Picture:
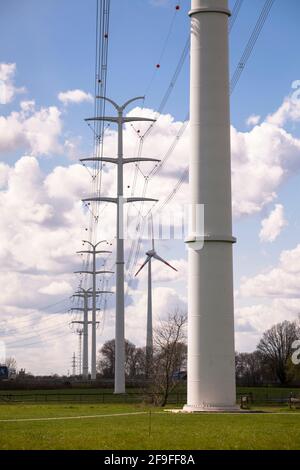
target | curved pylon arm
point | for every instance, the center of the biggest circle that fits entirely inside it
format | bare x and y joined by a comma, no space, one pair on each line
91,272
138,119
92,245
123,119
103,159
91,252
78,309
98,292
100,199
115,200
131,101
141,199
139,159
115,105
124,161
104,118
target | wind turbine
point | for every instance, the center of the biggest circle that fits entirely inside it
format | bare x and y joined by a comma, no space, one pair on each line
149,341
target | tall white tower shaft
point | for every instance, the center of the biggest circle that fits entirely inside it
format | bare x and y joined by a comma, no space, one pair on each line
211,370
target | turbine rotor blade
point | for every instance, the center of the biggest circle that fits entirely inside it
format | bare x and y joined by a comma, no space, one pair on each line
163,261
143,265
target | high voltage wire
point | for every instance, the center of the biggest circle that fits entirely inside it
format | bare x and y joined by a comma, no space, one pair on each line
251,43
164,48
245,57
235,12
49,339
24,319
101,69
43,330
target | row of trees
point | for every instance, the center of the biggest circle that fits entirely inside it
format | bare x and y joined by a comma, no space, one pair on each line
270,363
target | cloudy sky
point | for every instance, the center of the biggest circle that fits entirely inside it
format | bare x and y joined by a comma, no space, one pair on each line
47,63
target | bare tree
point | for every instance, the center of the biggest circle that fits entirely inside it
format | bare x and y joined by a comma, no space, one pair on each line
11,363
276,347
168,356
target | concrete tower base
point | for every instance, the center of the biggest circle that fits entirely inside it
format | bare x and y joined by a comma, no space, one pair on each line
211,409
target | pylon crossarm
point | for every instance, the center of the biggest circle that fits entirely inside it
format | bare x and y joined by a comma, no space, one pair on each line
104,118
102,159
115,105
82,322
91,272
125,160
78,309
124,199
92,245
117,119
91,252
132,100
100,199
137,119
141,199
139,159
84,295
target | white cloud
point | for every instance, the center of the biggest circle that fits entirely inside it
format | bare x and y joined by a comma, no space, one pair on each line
7,87
282,281
253,120
57,288
262,159
272,226
252,321
288,111
35,131
74,96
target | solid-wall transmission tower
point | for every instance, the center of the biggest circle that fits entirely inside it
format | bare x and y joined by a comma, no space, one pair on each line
120,120
85,294
94,252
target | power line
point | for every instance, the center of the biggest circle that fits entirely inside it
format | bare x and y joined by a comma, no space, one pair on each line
245,57
251,43
235,13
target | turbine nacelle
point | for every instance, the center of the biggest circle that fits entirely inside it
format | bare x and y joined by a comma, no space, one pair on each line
152,254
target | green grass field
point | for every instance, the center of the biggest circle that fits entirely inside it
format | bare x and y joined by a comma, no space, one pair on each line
152,429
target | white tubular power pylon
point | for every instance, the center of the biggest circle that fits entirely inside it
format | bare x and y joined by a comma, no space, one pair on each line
149,339
85,294
120,120
211,368
94,252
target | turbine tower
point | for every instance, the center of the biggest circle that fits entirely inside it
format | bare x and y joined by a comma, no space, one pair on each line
149,341
211,370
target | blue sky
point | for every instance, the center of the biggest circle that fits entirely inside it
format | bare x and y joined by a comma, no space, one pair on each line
52,44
